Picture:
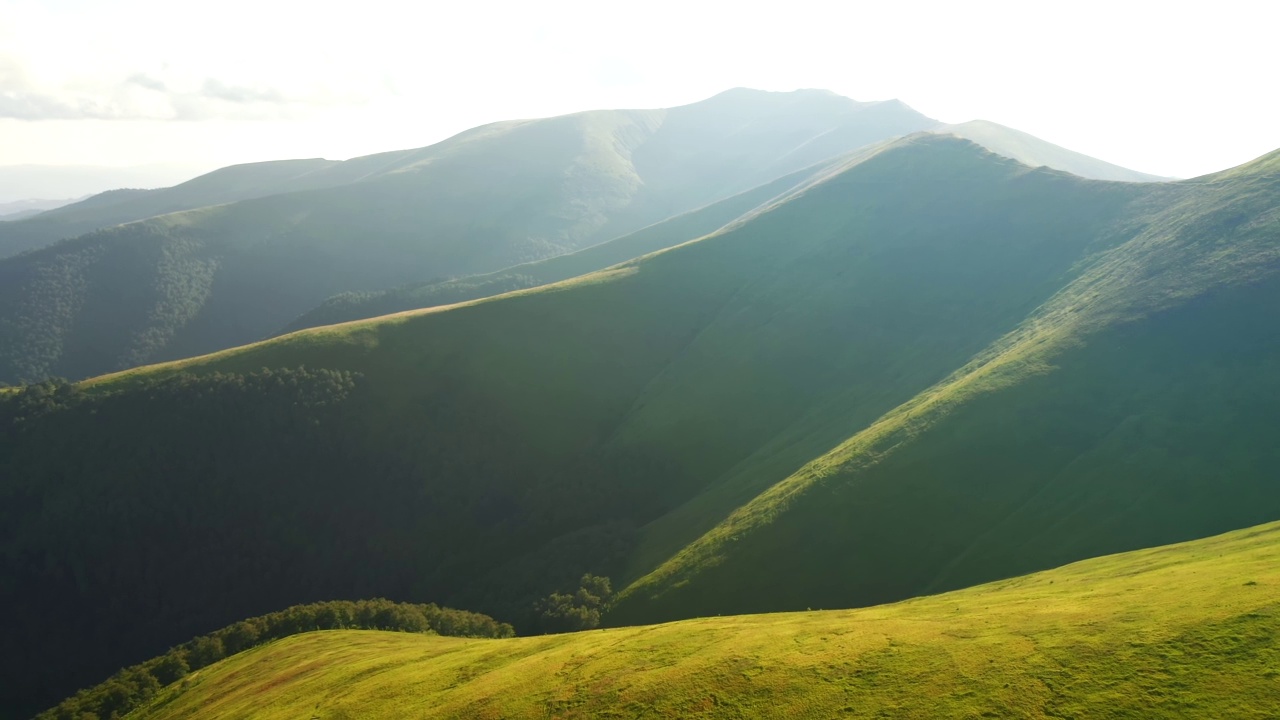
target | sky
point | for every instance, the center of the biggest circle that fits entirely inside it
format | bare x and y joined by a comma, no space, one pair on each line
1171,88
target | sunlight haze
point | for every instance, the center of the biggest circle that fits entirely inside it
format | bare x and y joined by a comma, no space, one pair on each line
139,81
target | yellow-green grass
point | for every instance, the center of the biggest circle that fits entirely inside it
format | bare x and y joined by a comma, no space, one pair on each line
1179,631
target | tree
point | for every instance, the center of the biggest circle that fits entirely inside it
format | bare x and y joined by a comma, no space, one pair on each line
580,610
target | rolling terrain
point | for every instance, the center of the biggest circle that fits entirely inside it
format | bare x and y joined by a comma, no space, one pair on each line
931,367
1001,140
222,275
1177,631
115,207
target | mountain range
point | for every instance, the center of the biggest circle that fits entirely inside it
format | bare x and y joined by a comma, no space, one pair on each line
138,276
731,380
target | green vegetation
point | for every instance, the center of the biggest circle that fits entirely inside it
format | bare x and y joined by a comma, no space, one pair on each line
931,367
115,207
493,197
1181,631
579,610
134,686
659,236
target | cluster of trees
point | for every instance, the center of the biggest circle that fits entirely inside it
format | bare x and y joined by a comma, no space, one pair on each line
578,610
136,685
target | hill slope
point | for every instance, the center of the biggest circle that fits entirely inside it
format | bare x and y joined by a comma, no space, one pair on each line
229,184
634,422
1031,150
1126,410
1001,140
1178,631
659,236
489,198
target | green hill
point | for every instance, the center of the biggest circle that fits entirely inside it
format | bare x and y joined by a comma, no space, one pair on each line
1179,631
496,196
659,236
934,367
1001,140
114,207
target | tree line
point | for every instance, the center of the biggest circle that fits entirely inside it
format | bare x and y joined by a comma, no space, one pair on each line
134,686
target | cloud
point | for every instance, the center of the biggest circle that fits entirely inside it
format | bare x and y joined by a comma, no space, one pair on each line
217,90
144,96
143,80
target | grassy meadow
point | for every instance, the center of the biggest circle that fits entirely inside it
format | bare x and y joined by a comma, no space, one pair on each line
1179,631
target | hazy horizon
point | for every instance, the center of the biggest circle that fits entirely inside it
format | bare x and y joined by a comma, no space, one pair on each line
143,82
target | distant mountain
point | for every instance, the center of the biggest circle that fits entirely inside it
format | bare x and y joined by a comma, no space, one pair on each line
229,184
1033,151
20,182
20,209
492,197
927,367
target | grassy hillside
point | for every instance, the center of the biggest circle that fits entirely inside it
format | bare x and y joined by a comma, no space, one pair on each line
660,420
659,236
490,198
238,182
1008,142
1179,631
135,686
1131,408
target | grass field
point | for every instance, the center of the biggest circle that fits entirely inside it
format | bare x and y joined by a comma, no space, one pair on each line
1179,631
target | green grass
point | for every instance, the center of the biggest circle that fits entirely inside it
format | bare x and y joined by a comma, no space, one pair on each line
1178,631
1124,407
934,368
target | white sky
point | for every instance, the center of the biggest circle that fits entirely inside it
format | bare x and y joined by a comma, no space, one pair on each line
1164,87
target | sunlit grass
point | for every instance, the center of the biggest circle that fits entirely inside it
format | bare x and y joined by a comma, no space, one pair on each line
1185,630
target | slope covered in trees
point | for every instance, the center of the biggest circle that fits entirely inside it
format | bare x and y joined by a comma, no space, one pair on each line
492,197
660,420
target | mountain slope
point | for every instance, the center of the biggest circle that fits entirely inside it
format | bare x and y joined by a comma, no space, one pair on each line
490,198
659,236
114,207
486,454
117,206
1001,140
1178,631
1126,410
1031,150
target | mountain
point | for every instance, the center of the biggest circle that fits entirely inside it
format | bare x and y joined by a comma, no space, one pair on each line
114,207
659,236
20,209
1125,410
19,182
496,196
930,367
1002,140
1178,631
1031,150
